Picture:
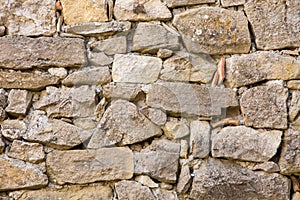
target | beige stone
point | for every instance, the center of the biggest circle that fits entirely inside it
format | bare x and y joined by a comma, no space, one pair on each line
278,27
141,10
294,107
59,72
184,180
164,145
76,12
175,129
228,3
296,196
146,181
116,91
177,3
213,30
294,84
18,102
157,116
2,31
269,166
244,143
2,145
13,129
131,190
163,194
164,53
110,46
99,59
200,138
87,166
184,148
42,52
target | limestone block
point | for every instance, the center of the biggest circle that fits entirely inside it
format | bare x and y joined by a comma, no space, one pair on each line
111,46
175,129
18,102
163,194
184,180
228,3
59,72
99,59
294,84
131,190
157,116
116,91
146,181
13,129
200,139
177,3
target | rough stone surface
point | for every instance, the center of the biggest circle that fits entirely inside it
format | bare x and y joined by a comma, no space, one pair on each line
190,99
164,53
2,145
59,72
265,106
184,180
175,129
274,23
289,161
141,10
115,91
163,194
111,46
82,192
146,181
217,179
200,139
18,102
294,84
13,129
296,196
131,190
16,174
123,123
177,3
99,59
20,52
31,152
227,3
88,76
213,30
135,69
256,67
294,108
98,28
2,31
87,166
244,143
92,11
157,116
270,167
150,37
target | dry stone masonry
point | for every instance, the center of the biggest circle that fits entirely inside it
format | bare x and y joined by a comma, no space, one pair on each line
131,99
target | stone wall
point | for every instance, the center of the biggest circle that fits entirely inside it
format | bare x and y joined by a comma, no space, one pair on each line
150,99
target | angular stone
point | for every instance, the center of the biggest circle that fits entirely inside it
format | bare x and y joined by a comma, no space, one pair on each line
265,106
98,28
294,107
164,145
99,59
228,3
115,91
190,99
122,123
277,27
294,84
270,167
164,53
163,194
146,181
184,180
30,152
135,69
111,46
184,148
221,179
177,3
29,17
25,80
131,190
59,72
289,161
141,10
90,11
175,129
150,37
18,102
244,143
87,166
82,192
16,174
42,52
2,31
213,30
157,116
200,139
13,129
256,67
88,76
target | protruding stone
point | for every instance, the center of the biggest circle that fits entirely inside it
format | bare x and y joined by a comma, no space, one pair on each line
200,139
30,152
164,53
59,72
175,129
18,102
13,129
177,3
213,30
277,28
185,179
135,69
99,59
131,190
244,143
294,84
116,91
111,46
221,179
140,10
146,181
17,174
294,108
87,166
42,52
265,106
228,3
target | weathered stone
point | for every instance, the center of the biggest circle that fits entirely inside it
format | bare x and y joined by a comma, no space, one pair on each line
294,108
29,17
115,91
135,69
141,10
296,196
16,174
3,98
90,11
274,23
59,72
157,116
18,102
150,37
184,148
265,106
111,46
88,76
31,152
25,80
164,53
2,31
184,180
146,181
256,67
164,145
98,28
228,3
42,52
244,143
122,123
270,167
213,30
163,194
82,192
294,84
2,145
289,161
200,139
13,129
87,166
131,190
221,179
175,129
166,186
177,3
99,59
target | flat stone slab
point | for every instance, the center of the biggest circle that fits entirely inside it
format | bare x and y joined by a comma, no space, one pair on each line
88,166
213,30
19,52
130,190
200,139
18,102
244,143
177,3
